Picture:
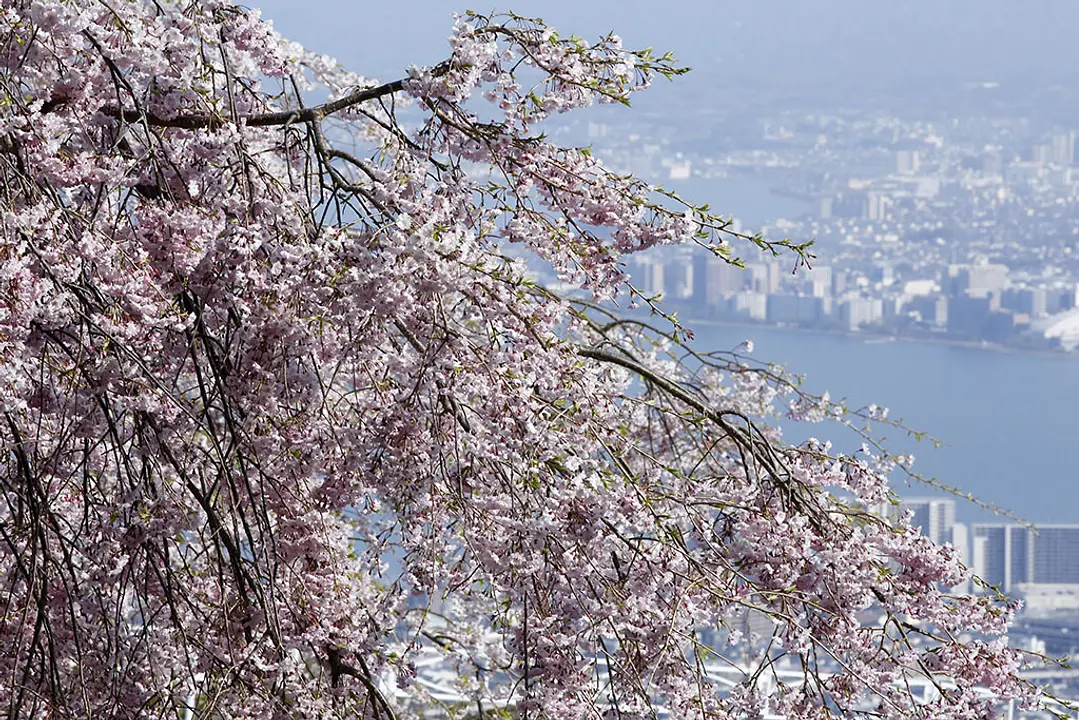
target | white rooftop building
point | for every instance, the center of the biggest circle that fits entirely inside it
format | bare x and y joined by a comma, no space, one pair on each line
1060,329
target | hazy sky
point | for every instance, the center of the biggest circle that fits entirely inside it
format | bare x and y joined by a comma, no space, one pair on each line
860,43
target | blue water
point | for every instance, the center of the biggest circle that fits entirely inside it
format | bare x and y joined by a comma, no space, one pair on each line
747,196
1010,421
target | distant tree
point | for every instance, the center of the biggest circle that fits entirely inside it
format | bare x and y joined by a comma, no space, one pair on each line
282,422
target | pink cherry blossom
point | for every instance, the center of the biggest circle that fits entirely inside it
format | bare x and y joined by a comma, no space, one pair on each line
283,426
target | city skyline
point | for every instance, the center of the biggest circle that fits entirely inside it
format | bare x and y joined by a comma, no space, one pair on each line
897,253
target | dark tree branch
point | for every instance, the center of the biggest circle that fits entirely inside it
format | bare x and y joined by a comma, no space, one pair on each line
283,117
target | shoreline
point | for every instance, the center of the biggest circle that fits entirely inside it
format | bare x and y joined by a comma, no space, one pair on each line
878,339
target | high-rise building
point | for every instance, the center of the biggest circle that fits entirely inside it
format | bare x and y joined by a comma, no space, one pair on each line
764,277
700,278
1055,554
723,280
751,305
934,517
961,542
798,309
969,314
978,278
1064,148
1030,301
817,281
907,162
678,278
855,311
1042,154
1008,555
999,555
1019,554
647,275
877,205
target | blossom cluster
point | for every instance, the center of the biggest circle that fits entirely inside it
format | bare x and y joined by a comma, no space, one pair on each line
280,420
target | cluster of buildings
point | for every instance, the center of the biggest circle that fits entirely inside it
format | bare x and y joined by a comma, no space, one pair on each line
976,301
1011,557
967,230
1038,565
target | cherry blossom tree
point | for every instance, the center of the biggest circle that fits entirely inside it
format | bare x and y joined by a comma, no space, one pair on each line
283,421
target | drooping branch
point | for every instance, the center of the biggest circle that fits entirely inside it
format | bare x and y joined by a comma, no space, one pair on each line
282,117
759,449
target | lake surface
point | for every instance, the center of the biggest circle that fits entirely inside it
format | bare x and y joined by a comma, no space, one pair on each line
747,196
1010,421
